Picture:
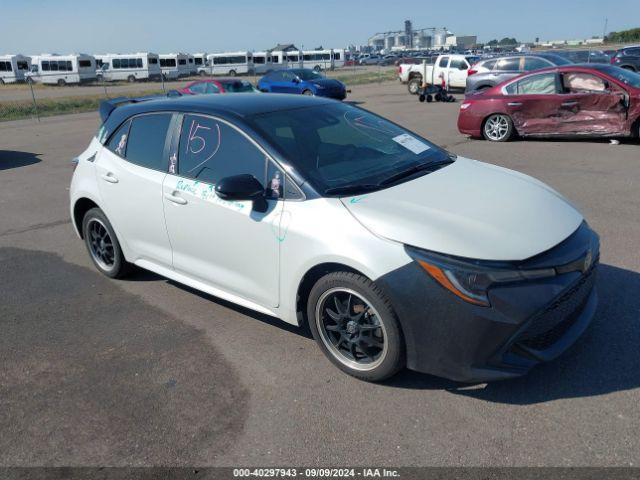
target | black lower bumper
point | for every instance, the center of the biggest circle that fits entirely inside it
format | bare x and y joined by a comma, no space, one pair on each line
527,323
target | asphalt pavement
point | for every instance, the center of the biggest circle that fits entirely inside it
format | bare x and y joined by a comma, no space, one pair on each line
144,371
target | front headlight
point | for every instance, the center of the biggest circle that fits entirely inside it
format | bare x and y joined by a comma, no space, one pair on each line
471,280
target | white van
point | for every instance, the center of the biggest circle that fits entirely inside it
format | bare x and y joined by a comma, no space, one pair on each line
13,68
174,65
323,59
262,62
191,63
128,66
54,69
200,61
230,63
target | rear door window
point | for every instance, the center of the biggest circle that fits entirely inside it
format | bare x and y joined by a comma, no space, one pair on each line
543,84
508,65
146,141
444,61
458,64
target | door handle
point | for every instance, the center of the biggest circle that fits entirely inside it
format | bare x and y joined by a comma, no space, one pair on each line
109,177
569,104
514,104
175,199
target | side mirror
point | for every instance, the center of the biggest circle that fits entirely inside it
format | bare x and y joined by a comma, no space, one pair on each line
296,80
239,188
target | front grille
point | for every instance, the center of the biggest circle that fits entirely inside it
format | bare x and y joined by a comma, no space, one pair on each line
551,324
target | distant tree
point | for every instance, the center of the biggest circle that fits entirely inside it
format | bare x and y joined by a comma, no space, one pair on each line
626,36
508,41
492,43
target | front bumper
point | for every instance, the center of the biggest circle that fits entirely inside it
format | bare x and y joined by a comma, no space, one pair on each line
527,323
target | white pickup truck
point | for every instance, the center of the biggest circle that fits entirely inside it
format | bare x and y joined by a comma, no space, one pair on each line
452,68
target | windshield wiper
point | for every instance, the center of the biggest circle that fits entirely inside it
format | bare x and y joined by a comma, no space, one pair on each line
352,188
415,169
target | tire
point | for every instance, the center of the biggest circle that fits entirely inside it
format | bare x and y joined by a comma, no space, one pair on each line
131,79
414,85
308,92
61,82
202,73
365,324
1,81
232,73
498,128
109,261
317,68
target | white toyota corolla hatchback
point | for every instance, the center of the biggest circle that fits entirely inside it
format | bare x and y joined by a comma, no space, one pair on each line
393,251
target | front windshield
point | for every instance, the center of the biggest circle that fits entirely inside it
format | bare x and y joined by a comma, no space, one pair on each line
341,149
307,74
625,76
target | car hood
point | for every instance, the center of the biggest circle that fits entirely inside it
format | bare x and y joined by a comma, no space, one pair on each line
470,209
327,83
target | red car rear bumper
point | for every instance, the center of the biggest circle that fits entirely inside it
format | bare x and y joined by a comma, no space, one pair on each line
470,124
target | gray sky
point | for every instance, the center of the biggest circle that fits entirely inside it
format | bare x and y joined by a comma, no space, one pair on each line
34,26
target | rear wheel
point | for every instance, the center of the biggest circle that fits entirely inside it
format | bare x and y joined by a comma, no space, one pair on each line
61,82
414,85
131,79
202,73
317,68
308,92
102,244
355,326
232,73
498,128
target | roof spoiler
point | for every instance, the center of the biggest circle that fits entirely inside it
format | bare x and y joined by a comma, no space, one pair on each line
108,106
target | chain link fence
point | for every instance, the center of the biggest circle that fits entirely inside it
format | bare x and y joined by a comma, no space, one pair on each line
35,100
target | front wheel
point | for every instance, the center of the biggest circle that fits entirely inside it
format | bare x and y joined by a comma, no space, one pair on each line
498,128
102,244
61,82
308,92
355,326
131,79
232,73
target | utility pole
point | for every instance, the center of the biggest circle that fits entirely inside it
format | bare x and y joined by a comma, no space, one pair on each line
606,24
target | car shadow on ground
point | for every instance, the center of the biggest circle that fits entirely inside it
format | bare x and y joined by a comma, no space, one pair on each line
605,360
12,159
140,275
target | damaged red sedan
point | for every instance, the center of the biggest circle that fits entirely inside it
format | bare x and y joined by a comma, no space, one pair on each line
574,100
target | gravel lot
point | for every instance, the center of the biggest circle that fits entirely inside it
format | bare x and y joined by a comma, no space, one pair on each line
146,372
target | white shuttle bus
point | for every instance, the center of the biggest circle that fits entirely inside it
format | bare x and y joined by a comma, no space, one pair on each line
200,61
128,66
54,69
262,62
191,63
13,68
174,65
323,59
230,63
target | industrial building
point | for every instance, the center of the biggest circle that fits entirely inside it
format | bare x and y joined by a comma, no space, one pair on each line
421,38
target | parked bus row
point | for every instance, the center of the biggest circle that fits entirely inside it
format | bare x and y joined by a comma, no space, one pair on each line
61,70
